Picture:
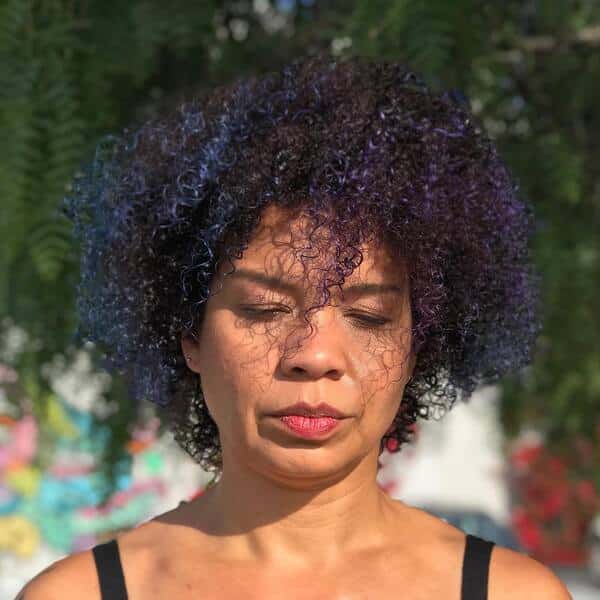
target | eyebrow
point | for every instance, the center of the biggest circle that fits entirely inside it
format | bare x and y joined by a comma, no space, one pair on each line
357,289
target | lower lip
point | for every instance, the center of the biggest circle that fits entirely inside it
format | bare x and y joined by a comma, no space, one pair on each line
310,427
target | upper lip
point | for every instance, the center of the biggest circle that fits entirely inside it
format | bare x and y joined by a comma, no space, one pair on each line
306,410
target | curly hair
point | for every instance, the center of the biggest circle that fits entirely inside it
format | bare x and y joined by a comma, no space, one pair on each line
161,204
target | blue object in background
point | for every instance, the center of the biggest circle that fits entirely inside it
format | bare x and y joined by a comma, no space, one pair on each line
286,5
289,5
477,523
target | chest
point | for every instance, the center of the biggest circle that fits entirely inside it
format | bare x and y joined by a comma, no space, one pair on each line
395,580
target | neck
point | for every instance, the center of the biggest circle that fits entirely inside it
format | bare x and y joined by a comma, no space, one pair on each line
304,523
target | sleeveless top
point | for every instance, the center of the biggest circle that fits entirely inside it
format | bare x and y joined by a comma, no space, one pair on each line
476,561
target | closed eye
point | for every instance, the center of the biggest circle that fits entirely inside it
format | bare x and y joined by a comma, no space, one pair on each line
366,321
371,320
262,314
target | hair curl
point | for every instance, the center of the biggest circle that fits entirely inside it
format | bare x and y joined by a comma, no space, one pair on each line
160,205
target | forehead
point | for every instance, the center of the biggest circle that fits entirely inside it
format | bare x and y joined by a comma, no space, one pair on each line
292,248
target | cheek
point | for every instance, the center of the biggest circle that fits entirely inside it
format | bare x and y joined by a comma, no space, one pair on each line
218,370
234,368
384,361
238,363
383,373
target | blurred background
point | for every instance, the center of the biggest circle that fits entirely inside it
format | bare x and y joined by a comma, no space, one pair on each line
518,464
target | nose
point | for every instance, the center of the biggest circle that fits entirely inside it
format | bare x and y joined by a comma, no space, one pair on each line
315,352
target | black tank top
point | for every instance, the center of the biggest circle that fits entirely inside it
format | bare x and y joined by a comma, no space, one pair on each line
476,561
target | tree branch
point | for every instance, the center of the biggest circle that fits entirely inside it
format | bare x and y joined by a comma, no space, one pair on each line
586,36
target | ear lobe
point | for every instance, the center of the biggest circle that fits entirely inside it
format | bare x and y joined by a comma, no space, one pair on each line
188,348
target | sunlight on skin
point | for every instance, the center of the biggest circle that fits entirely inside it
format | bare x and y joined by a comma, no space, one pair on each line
307,495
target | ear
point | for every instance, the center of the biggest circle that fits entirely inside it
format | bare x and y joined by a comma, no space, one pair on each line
190,350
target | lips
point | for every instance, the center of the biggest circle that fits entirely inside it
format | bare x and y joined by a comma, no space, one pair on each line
303,409
310,427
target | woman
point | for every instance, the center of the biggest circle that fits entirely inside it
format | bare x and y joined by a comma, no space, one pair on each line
296,267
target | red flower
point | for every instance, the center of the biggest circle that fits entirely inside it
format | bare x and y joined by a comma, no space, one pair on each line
528,532
557,466
525,456
555,502
196,494
391,444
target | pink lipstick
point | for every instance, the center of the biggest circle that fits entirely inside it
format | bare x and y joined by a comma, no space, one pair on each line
310,427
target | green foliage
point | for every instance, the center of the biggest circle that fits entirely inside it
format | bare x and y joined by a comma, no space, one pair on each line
72,71
532,73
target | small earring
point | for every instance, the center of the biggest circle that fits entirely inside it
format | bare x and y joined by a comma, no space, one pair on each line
188,357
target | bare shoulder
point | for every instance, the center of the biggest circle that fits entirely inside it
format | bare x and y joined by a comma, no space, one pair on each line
512,575
516,576
71,577
75,576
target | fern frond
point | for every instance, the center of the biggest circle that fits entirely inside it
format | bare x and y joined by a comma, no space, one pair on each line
50,243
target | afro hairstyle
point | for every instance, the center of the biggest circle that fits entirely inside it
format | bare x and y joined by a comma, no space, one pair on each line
366,143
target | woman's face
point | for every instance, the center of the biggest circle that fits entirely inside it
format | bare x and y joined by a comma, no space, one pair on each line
253,363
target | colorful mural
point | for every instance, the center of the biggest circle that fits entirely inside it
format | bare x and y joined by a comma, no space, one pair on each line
58,504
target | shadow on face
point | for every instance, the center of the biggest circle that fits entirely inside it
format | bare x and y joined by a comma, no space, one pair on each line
295,320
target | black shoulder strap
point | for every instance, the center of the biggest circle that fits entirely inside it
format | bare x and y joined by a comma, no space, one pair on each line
476,564
110,571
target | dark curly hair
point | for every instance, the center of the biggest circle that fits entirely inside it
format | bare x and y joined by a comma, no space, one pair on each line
163,203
